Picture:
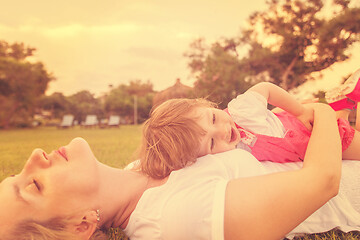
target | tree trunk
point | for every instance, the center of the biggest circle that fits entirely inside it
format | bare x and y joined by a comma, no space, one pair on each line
284,77
8,111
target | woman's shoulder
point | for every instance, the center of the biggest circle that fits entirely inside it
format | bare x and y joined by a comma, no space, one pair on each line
230,164
235,163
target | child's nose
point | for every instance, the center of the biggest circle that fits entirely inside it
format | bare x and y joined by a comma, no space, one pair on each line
221,134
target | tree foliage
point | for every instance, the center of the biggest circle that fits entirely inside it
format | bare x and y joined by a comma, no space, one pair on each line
22,83
84,103
56,103
284,44
219,72
304,40
120,100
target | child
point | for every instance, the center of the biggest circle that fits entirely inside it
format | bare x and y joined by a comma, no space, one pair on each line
180,130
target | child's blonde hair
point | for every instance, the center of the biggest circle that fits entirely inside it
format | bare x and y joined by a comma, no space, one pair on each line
171,137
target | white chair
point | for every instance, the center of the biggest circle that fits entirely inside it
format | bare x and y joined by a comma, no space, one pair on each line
114,121
67,121
90,121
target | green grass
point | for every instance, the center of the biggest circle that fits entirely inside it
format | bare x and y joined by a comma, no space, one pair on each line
331,235
114,146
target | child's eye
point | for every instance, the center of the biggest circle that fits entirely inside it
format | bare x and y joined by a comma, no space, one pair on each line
212,144
214,118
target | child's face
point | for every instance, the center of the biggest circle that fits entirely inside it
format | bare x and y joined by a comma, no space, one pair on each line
221,132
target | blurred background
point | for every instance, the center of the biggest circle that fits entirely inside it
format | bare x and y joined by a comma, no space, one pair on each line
115,59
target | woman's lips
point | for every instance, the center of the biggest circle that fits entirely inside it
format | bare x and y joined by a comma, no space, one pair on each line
62,152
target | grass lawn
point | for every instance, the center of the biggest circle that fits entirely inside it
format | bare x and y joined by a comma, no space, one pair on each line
114,146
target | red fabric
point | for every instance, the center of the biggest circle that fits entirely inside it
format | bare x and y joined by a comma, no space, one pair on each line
292,147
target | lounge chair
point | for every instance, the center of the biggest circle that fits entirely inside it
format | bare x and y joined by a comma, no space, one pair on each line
114,121
67,121
91,121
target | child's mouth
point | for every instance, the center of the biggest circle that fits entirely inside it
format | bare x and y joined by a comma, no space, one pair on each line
233,135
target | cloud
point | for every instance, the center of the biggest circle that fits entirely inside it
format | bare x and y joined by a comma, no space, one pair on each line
90,44
101,30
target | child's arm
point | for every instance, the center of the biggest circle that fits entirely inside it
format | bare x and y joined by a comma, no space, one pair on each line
280,98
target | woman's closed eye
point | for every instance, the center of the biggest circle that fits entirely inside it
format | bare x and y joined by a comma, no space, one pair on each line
34,185
214,118
37,185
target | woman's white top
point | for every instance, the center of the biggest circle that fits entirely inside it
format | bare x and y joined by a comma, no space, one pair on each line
190,205
342,211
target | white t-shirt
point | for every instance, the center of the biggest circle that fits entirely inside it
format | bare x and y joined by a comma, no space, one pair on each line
249,110
190,205
342,211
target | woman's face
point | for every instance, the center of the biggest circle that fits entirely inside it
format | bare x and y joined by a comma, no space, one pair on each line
50,185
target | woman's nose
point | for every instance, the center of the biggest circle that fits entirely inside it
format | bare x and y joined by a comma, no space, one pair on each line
37,159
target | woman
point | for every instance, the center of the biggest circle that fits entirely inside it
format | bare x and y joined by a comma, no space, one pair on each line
67,193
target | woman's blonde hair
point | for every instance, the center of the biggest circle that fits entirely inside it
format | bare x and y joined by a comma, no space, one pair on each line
171,137
54,229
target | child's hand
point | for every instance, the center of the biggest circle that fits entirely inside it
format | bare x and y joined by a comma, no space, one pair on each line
307,117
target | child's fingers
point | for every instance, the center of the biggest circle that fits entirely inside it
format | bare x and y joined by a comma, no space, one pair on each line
309,127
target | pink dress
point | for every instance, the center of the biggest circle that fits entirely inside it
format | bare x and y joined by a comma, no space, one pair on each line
290,147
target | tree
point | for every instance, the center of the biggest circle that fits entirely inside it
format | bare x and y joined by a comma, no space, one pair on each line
84,103
138,89
121,100
118,101
56,103
303,42
218,71
22,83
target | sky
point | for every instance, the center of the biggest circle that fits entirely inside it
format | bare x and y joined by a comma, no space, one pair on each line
91,44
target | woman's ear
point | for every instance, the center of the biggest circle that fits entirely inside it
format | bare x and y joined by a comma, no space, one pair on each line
86,225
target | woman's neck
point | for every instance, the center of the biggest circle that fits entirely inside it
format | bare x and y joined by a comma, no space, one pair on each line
120,191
